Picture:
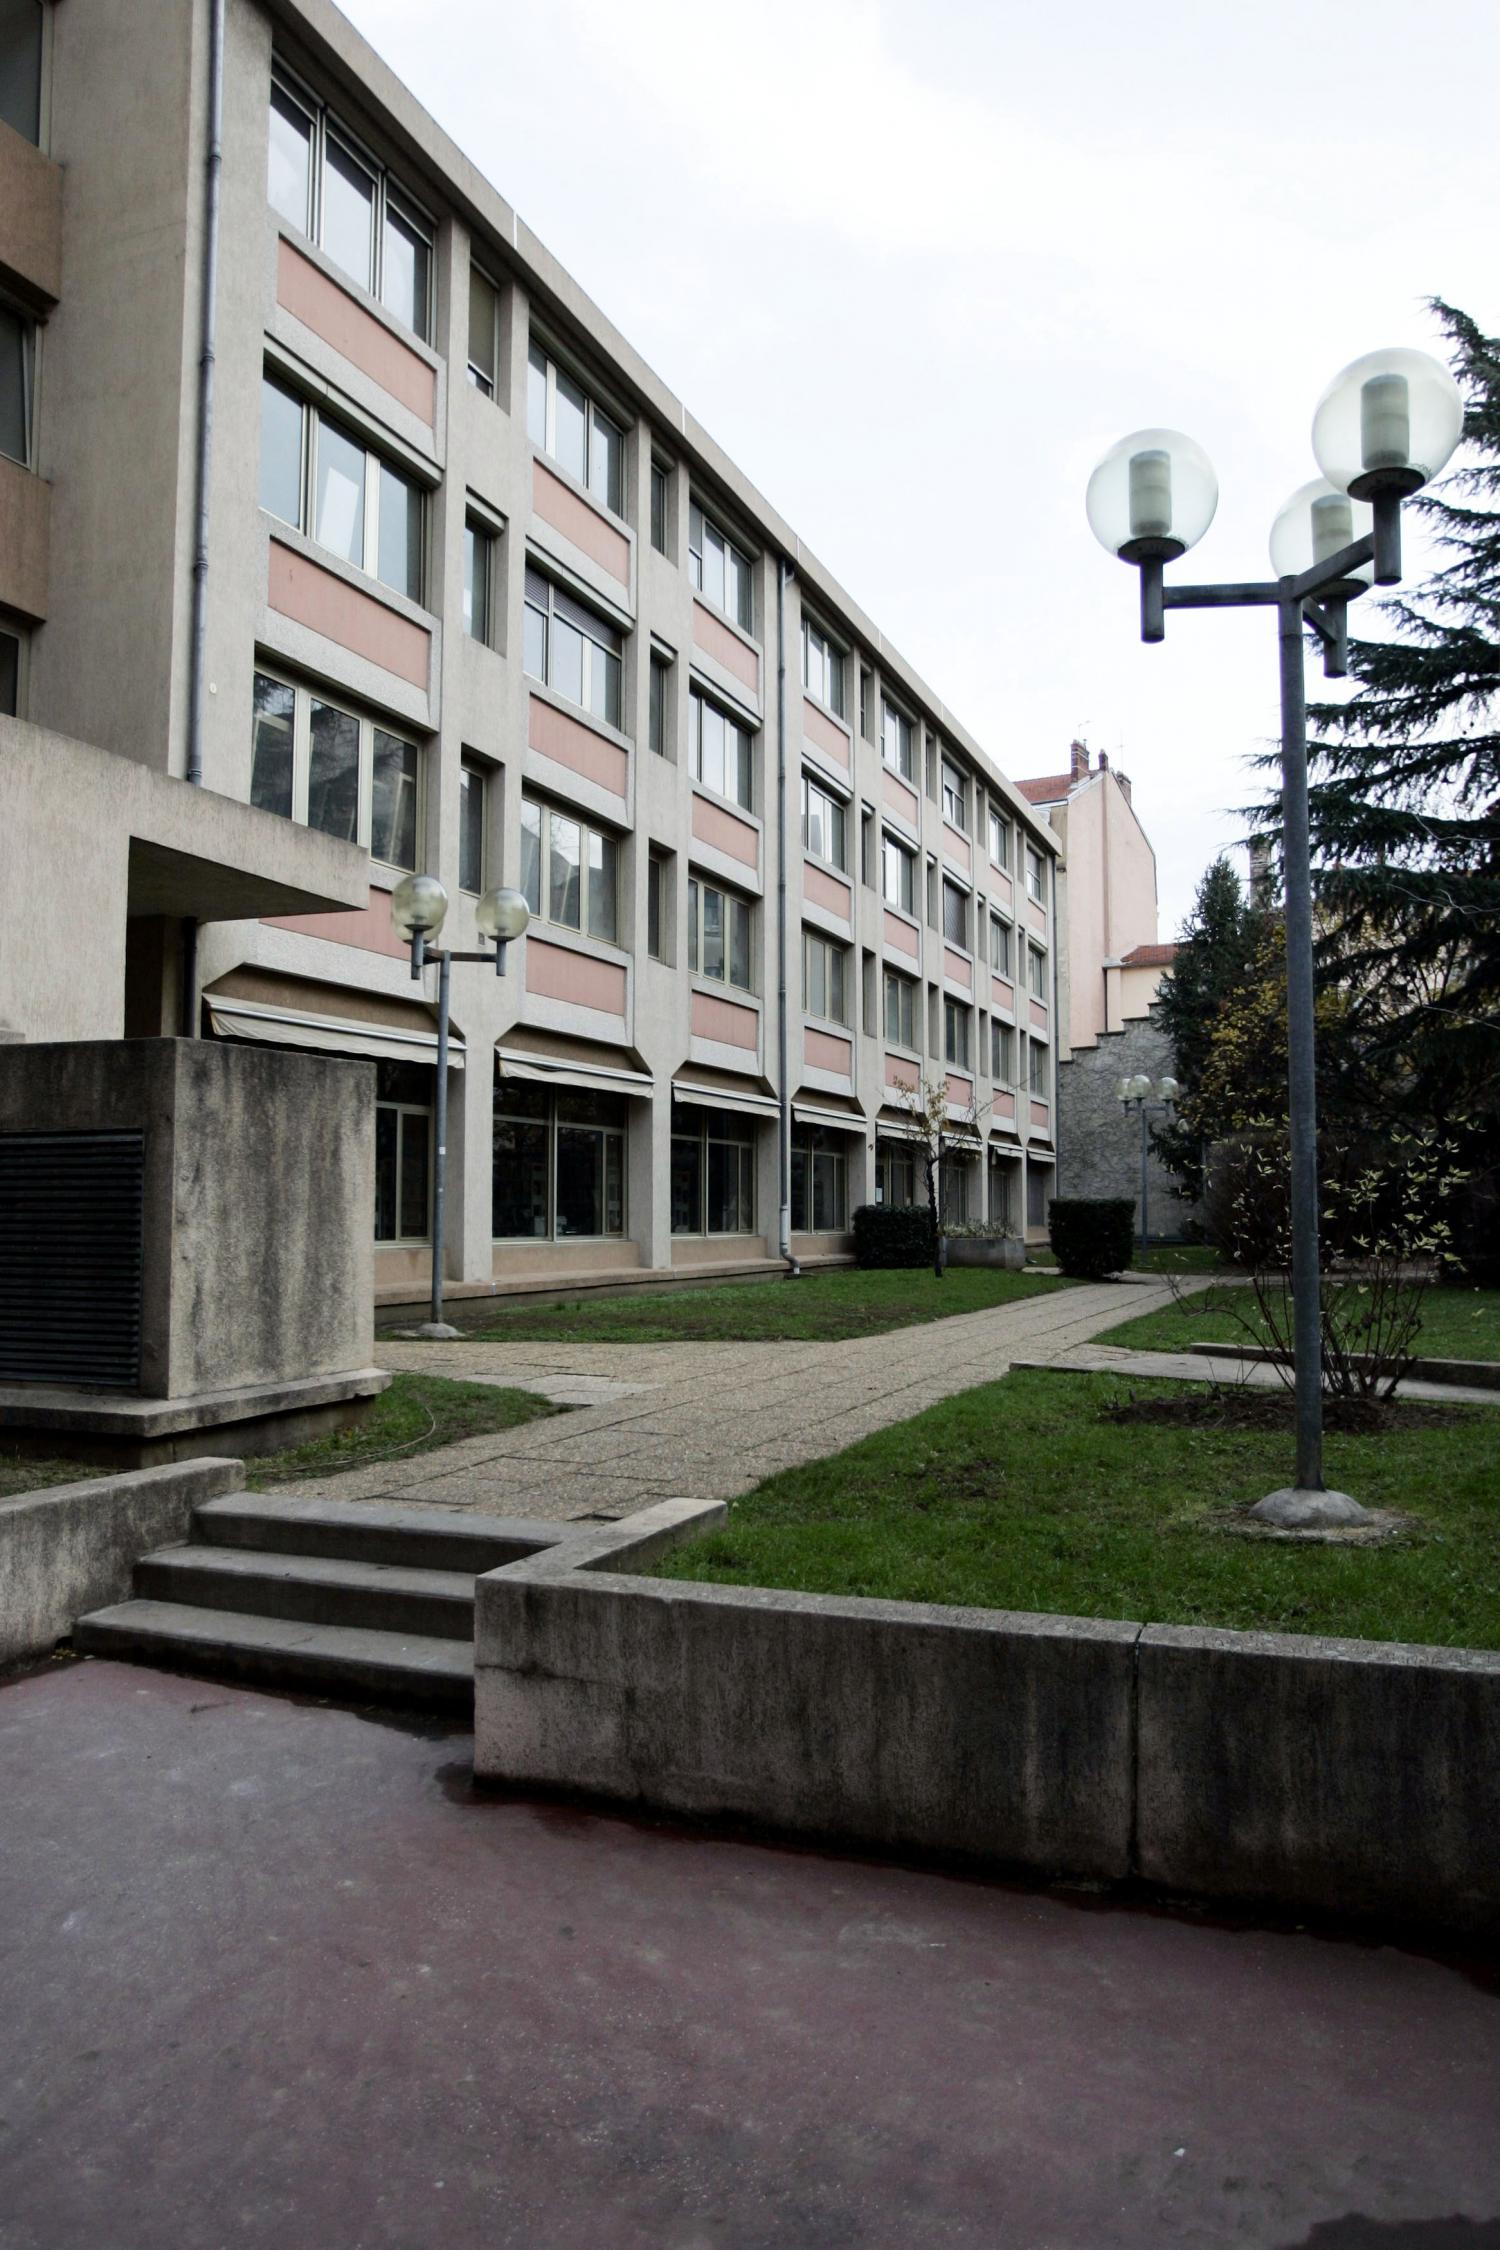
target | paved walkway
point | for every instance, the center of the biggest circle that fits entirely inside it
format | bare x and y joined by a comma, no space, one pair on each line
275,1979
1204,1367
708,1420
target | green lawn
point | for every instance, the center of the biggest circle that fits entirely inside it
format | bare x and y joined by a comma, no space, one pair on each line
1457,1323
417,1413
1178,1257
1019,1496
817,1307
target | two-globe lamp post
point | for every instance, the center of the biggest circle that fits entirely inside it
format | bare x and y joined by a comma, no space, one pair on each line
1146,1095
419,907
1382,429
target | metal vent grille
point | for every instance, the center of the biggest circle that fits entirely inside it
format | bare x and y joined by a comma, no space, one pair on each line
71,1226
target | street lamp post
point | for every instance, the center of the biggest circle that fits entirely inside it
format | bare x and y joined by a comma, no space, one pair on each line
1383,428
419,906
1146,1095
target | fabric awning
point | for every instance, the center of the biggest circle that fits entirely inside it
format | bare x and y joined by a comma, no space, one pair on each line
713,1097
234,1018
588,1077
840,1119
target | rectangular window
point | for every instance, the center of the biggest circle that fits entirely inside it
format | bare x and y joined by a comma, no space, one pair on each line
956,1033
719,751
896,741
563,422
825,825
320,183
1000,945
657,716
825,978
569,870
575,650
895,1175
1037,967
1038,1075
713,1171
479,580
719,569
1038,1192
659,507
10,673
820,1181
403,1151
318,478
559,1163
16,362
473,826
898,868
822,667
955,914
1036,879
999,838
900,1011
1002,1053
718,934
327,767
21,68
931,765
484,331
955,798
657,905
867,846
866,703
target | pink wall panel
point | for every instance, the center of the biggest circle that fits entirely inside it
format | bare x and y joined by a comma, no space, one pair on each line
325,604
955,966
900,935
900,799
825,732
716,640
555,972
824,1050
1002,995
900,1070
960,1091
1038,916
568,512
572,744
1039,1114
368,927
1004,1105
1038,1015
723,1020
321,305
956,845
825,890
713,825
1003,888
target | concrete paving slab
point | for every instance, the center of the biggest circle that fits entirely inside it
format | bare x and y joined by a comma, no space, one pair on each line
422,2018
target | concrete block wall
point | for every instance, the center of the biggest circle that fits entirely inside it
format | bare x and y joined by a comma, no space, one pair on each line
1099,1149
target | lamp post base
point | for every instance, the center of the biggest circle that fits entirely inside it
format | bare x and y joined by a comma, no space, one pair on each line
437,1332
1294,1509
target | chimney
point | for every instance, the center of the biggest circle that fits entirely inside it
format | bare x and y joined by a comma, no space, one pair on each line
1124,780
1103,763
1080,765
1260,871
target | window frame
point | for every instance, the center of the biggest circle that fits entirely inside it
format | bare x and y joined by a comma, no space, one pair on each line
999,834
837,822
954,892
306,694
893,849
388,190
1036,876
658,507
613,500
822,956
588,831
28,332
733,1132
1002,1052
699,886
956,1018
1036,1072
1001,947
402,1110
479,528
15,634
906,992
658,703
486,383
594,650
810,1143
554,1125
473,775
833,661
700,700
955,793
702,521
1036,972
314,422
905,761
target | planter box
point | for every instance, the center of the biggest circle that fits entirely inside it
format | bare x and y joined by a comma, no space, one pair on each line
1004,1250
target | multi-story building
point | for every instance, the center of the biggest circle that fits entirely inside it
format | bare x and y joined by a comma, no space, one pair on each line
476,595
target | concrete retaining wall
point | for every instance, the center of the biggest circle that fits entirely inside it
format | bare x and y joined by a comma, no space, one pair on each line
1357,1777
72,1547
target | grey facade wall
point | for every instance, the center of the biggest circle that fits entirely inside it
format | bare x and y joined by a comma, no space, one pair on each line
1100,1151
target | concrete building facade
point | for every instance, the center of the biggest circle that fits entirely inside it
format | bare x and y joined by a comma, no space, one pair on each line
478,597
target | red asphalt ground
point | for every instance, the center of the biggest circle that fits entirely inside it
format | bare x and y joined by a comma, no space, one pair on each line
270,1977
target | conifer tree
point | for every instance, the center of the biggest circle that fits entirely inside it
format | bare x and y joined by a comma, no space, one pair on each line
1215,961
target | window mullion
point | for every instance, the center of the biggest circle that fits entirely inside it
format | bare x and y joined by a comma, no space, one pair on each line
301,752
372,514
364,817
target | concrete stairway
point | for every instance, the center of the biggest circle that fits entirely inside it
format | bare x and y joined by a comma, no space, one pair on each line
364,1603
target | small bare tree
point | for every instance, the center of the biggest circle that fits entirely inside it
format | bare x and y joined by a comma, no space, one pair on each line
935,1125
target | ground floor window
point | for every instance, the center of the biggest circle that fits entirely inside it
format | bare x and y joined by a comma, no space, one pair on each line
957,1173
895,1175
1003,1194
558,1163
403,1152
713,1171
1038,1193
820,1181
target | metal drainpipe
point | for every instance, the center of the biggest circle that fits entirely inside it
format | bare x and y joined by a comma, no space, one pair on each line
783,572
197,686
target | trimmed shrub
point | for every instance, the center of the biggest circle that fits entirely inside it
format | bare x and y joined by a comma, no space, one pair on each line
900,1237
1092,1235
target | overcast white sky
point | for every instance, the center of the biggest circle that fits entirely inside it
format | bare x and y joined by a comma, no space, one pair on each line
917,266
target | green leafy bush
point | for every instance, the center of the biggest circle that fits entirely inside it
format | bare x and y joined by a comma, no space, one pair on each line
893,1237
1092,1235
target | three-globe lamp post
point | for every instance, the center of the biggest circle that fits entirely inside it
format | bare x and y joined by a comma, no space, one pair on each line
419,907
1146,1094
1384,427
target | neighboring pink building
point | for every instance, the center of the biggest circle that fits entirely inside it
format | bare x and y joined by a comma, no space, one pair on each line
1109,963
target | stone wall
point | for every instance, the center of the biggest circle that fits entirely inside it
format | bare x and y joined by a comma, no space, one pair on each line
1099,1145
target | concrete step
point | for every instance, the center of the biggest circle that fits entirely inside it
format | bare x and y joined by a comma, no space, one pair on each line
349,1661
364,1531
312,1589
